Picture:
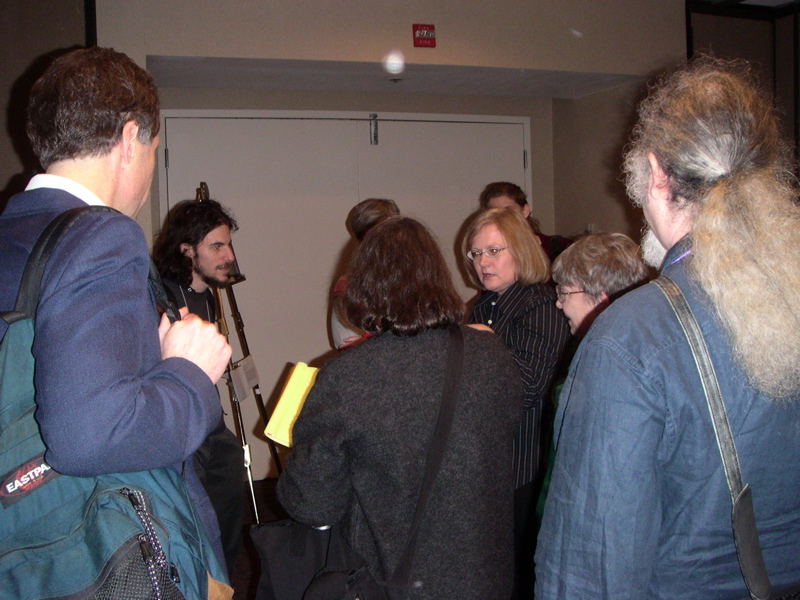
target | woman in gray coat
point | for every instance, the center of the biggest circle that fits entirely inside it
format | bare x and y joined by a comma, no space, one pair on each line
362,437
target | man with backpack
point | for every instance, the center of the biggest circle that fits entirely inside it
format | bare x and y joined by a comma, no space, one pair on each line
121,394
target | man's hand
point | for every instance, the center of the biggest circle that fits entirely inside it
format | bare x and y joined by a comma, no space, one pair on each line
195,340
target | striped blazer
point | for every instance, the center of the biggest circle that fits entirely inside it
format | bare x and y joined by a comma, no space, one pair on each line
535,331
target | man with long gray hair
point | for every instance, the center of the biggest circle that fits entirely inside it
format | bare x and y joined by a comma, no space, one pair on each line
639,506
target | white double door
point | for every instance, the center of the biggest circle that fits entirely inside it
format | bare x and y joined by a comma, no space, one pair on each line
290,180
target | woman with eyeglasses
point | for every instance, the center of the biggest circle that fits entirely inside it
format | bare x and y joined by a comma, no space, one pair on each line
518,304
361,440
595,270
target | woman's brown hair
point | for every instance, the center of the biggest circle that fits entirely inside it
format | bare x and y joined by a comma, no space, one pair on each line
399,281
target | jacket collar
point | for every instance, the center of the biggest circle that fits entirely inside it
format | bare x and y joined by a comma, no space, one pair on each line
680,250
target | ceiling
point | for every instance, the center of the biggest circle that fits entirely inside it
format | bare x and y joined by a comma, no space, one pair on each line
280,74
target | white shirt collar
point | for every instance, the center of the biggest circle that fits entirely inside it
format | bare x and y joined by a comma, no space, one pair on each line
46,180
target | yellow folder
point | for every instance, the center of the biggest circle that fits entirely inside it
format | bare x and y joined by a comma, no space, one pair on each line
300,381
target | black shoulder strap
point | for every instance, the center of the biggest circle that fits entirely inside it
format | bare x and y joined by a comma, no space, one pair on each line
165,299
28,295
171,295
436,450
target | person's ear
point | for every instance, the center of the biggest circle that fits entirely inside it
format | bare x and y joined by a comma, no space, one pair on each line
130,131
603,301
526,210
187,250
659,180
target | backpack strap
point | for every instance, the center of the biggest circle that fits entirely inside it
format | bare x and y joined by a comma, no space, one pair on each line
28,295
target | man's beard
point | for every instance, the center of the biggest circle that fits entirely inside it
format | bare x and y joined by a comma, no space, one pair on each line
653,252
211,281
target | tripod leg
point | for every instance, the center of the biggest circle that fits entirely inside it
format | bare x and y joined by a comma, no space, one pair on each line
237,415
262,410
246,448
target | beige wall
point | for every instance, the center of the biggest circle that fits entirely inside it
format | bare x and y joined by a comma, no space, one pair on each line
574,143
590,134
603,36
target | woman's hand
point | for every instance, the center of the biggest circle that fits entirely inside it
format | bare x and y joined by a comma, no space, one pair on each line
481,327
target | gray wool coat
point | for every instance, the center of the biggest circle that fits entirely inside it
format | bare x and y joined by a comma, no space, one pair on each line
360,445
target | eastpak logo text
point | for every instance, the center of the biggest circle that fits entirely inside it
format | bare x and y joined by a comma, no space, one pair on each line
23,480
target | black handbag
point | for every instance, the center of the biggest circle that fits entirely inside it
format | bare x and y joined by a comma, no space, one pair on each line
291,554
302,562
743,519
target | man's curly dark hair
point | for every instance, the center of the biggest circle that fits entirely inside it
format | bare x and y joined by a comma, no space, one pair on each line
187,223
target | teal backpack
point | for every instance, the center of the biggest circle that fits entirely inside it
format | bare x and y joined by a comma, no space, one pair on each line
119,536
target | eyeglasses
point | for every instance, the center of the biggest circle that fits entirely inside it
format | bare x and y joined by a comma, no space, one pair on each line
562,295
491,253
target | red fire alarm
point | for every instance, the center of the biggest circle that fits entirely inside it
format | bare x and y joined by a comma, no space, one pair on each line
424,36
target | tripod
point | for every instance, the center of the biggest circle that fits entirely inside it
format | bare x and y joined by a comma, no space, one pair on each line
241,376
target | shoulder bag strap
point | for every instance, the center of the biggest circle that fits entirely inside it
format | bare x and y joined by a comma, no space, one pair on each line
436,450
743,522
28,295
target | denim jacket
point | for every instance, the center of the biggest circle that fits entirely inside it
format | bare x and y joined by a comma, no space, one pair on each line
638,505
